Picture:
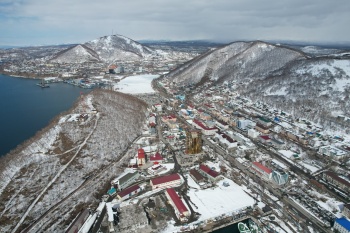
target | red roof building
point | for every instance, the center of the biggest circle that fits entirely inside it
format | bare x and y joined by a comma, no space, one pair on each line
208,172
141,153
168,118
128,192
156,158
179,207
196,176
141,157
166,181
261,169
205,130
265,138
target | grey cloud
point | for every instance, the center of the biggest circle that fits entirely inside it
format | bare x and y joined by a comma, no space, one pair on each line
83,20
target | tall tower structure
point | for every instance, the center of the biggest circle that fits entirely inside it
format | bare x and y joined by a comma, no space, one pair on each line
193,142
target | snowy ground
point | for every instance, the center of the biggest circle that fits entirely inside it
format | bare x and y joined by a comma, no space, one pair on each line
136,84
282,225
311,168
212,203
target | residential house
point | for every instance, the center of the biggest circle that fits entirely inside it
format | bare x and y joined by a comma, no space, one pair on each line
141,157
222,125
204,116
125,180
197,177
156,158
205,130
264,122
346,210
128,192
181,210
265,139
332,151
334,179
209,173
260,169
252,133
262,129
226,141
168,181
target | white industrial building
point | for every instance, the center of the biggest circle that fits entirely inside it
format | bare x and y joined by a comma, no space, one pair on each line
252,133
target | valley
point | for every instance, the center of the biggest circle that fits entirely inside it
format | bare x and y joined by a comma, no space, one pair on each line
252,133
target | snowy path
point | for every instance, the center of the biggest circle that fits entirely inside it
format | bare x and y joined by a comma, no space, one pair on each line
55,178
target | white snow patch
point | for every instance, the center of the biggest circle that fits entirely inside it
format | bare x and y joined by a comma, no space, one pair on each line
136,84
220,200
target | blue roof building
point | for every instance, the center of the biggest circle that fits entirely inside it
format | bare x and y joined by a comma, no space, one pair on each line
342,225
112,191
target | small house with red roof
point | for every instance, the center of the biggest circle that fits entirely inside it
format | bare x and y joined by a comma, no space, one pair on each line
181,210
209,173
197,177
128,192
158,107
226,141
261,170
141,157
156,158
168,181
265,139
152,121
169,118
205,130
156,169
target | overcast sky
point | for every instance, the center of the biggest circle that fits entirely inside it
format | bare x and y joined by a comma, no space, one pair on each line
38,22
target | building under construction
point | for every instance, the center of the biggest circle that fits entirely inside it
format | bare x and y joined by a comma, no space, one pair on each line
193,142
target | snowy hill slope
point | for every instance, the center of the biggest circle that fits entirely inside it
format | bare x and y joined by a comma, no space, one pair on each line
117,47
318,89
76,54
314,87
241,61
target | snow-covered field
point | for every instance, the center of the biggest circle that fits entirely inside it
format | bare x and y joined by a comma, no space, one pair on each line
136,84
212,203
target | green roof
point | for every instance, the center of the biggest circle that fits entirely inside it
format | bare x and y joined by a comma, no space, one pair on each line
264,119
127,177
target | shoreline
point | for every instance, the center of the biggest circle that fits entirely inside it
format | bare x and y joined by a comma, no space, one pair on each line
24,76
51,122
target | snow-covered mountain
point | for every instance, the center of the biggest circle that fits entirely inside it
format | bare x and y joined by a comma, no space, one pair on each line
117,47
317,88
76,54
241,61
105,49
307,86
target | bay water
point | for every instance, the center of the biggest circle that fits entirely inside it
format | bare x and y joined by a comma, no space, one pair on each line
26,108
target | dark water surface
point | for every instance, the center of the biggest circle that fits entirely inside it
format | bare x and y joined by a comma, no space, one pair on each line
230,229
26,108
